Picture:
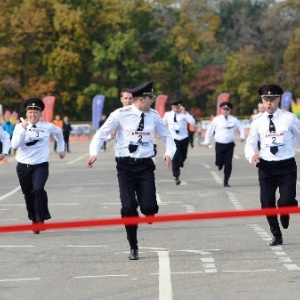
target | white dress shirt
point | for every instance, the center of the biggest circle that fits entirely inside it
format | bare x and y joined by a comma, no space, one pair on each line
224,129
178,129
287,128
39,152
5,139
125,121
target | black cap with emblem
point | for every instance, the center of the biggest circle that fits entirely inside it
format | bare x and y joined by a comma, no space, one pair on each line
143,90
270,91
176,102
226,105
34,103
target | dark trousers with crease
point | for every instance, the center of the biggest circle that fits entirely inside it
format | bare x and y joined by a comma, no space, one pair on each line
180,155
277,174
224,155
32,179
137,189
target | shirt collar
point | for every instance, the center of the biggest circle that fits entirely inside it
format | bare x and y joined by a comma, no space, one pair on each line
138,111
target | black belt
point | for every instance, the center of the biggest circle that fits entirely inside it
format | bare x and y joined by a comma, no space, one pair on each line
132,159
28,165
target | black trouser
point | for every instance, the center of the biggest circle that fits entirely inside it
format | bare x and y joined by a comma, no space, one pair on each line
273,175
32,179
66,139
224,155
137,188
180,156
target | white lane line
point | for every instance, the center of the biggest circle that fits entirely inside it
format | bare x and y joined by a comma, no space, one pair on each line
206,166
277,250
101,276
292,267
216,177
248,271
1,209
189,208
236,203
165,284
158,199
181,273
77,159
17,246
86,246
19,279
10,193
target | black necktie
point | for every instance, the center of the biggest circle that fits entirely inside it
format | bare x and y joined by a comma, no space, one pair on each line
175,121
141,124
272,129
132,148
32,142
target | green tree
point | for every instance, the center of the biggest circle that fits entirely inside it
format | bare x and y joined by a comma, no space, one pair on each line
245,71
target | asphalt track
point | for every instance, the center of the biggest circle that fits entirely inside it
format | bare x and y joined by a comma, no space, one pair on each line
204,259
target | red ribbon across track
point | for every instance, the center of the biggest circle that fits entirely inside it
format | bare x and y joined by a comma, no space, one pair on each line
151,219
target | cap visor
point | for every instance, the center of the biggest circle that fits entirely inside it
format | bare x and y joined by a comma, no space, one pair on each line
269,96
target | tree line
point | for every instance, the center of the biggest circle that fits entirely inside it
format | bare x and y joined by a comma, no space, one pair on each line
192,49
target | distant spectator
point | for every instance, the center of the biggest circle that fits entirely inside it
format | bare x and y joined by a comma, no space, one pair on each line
67,128
59,123
9,127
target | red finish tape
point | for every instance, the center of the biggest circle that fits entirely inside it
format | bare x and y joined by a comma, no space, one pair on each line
151,219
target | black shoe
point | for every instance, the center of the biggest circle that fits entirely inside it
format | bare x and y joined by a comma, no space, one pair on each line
35,231
134,254
150,222
177,181
276,240
285,221
226,184
220,167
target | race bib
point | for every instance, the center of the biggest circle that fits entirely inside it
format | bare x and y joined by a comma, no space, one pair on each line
35,134
274,139
140,138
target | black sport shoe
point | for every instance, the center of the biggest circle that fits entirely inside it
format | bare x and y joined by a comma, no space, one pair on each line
285,221
134,254
276,240
177,181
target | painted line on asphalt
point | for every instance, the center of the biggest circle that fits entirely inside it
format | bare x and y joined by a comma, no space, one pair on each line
17,246
15,190
277,250
19,279
247,271
77,159
236,203
205,166
165,284
216,177
101,276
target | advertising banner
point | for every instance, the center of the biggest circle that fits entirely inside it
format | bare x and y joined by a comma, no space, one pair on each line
97,108
160,104
47,114
221,98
